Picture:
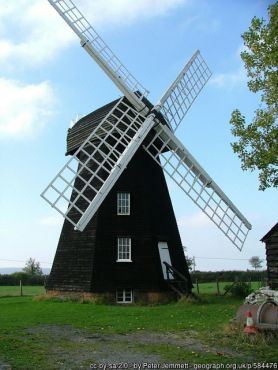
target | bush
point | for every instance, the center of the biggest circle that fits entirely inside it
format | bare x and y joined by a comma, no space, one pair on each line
238,289
191,300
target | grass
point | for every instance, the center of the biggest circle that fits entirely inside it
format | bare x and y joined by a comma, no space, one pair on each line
7,291
204,288
211,288
24,347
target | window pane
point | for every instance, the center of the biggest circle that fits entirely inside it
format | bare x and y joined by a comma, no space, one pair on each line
120,296
124,249
123,203
127,295
124,296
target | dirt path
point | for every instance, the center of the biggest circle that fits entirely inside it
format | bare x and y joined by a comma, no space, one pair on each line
4,366
72,348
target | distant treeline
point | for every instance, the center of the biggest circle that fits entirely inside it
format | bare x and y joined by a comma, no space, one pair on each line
201,276
210,276
26,279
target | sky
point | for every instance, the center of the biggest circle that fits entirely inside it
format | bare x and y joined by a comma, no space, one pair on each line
47,79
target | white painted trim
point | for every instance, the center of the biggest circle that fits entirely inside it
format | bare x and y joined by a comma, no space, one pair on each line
129,251
124,260
119,205
123,291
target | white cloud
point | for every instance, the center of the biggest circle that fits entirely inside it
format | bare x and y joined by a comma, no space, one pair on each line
230,79
32,31
24,109
195,220
119,12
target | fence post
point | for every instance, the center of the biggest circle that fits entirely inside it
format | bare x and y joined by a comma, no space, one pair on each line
197,286
20,285
217,285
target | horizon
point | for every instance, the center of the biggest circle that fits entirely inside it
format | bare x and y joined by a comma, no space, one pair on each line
11,270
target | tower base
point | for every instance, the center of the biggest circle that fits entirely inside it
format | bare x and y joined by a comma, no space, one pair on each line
138,297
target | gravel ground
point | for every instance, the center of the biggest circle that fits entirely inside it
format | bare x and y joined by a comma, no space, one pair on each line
72,348
4,366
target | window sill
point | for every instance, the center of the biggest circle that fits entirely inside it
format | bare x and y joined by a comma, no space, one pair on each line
124,261
126,302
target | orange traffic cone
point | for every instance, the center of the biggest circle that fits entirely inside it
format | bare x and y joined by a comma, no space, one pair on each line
249,327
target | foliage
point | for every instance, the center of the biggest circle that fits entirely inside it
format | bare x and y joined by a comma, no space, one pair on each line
32,267
229,276
192,299
257,145
215,288
190,263
256,262
26,279
202,276
238,289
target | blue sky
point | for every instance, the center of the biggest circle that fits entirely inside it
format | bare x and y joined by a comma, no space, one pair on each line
47,79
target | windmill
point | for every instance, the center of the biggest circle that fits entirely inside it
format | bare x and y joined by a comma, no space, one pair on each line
112,191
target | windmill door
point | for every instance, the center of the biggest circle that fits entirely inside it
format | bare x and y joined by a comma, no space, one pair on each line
164,257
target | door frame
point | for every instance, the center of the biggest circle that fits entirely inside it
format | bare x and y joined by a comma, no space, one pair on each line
164,257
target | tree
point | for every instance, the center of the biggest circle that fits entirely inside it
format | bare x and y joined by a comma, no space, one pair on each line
257,145
32,267
189,261
256,262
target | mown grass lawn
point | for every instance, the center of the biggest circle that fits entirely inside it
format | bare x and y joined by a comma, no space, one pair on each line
23,347
7,291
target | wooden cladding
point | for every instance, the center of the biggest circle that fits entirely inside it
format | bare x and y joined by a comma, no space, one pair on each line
271,246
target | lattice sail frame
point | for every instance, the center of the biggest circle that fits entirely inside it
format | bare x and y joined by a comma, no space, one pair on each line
99,168
181,94
188,174
101,52
82,184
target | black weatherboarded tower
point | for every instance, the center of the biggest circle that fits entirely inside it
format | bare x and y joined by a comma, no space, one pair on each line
121,251
120,237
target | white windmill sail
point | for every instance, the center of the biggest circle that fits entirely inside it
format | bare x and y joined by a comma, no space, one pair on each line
184,90
83,183
188,174
101,52
181,166
85,180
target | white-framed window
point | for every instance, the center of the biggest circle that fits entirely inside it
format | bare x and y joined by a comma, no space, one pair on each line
123,204
124,296
124,250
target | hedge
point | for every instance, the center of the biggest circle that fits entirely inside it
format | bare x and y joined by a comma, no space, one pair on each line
210,276
26,279
202,276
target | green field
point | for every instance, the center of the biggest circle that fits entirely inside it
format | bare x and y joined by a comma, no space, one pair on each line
211,288
7,291
55,334
204,288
